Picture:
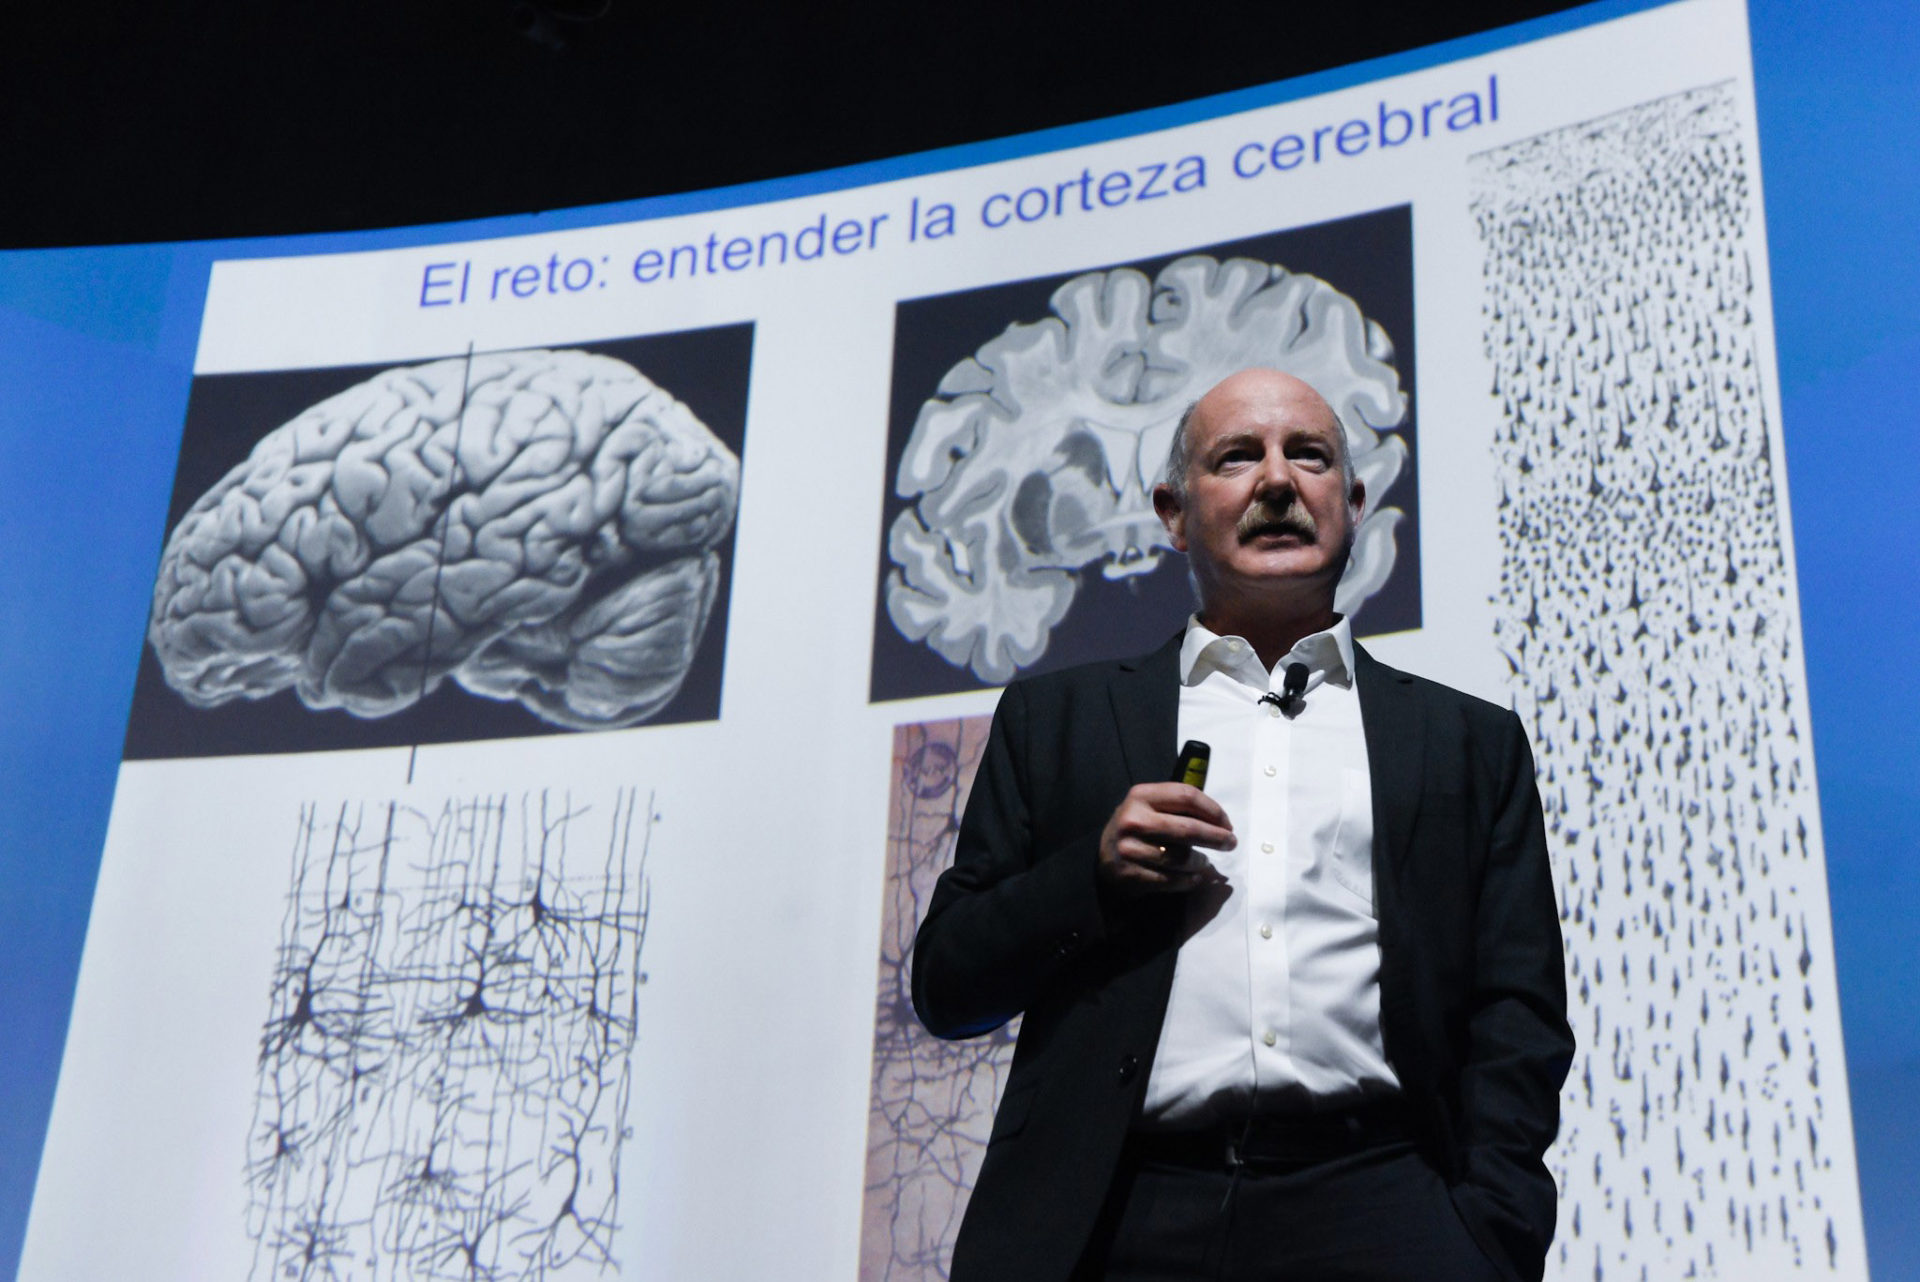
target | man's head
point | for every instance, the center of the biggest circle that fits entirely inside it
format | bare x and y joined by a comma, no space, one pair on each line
1260,492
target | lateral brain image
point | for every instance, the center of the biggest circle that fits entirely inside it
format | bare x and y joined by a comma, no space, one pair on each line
1026,477
542,529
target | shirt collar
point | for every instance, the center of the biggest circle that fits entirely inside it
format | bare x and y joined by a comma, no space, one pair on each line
1328,655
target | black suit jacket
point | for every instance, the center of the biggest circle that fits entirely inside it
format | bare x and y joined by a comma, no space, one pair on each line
1472,992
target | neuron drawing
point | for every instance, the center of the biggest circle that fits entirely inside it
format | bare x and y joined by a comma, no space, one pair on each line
444,1072
932,1104
1646,608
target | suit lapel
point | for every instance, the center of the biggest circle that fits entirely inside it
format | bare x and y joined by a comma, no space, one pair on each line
1393,719
1145,694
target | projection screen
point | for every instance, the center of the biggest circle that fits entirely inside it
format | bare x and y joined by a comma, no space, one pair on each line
570,641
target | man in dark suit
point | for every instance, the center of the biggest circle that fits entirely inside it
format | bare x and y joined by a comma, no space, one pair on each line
1307,1023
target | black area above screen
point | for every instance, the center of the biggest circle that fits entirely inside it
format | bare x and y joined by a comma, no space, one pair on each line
154,122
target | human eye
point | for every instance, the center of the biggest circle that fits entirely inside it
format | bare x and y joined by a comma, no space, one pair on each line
1315,454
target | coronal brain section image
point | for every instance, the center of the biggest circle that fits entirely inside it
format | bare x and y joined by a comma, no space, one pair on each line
444,1072
932,1103
1034,461
539,527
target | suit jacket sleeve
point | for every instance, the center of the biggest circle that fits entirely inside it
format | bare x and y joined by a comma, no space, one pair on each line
1519,1045
1007,916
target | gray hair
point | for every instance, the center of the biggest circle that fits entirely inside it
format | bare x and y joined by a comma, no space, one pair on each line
1180,453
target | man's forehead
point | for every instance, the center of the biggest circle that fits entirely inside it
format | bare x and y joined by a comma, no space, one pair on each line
1256,438
1257,400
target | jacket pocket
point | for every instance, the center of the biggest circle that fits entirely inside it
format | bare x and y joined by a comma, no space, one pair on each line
1010,1118
1351,859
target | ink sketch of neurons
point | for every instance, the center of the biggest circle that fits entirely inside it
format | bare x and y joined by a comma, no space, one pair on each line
445,1070
539,528
1646,607
1033,465
931,1108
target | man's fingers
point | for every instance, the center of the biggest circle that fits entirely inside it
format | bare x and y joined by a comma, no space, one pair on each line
1181,798
1160,829
1155,857
1141,868
1147,844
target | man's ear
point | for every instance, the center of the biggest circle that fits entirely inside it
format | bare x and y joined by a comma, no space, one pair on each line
1357,499
1166,505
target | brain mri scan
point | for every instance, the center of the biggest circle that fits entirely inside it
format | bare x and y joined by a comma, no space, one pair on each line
536,526
1035,461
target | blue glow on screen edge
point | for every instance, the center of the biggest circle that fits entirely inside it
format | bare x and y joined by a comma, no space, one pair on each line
99,350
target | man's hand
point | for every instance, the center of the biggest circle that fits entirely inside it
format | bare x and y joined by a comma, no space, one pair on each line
1146,847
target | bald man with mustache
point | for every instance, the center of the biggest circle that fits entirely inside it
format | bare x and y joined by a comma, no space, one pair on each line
1306,1023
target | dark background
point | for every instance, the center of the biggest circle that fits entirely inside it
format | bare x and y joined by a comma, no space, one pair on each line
141,121
227,414
1368,257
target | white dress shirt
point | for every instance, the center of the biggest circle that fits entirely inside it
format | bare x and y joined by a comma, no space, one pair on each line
1276,991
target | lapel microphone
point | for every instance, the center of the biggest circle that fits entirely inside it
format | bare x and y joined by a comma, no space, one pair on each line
1293,688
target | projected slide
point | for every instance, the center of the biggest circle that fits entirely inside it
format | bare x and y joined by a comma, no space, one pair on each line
525,599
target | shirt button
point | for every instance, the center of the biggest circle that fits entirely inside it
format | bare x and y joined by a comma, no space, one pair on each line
1266,847
1272,711
1271,772
1266,932
1234,646
1270,1038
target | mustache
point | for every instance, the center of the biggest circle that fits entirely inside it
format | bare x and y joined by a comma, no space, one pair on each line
1265,516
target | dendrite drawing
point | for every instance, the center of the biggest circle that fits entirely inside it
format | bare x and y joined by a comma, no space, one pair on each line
932,1104
444,1071
1036,459
537,526
1649,616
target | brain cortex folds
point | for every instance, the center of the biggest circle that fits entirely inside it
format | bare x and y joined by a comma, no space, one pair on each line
536,527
